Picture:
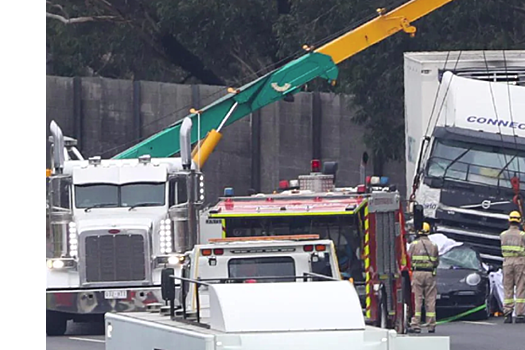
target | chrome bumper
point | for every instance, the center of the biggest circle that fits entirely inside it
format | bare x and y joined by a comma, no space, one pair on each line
100,301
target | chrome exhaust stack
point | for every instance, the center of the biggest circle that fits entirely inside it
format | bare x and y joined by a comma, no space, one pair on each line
59,205
185,143
184,215
57,149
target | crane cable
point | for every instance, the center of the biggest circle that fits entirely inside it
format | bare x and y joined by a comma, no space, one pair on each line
515,180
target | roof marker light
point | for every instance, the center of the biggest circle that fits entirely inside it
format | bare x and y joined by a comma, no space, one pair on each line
316,166
283,184
228,192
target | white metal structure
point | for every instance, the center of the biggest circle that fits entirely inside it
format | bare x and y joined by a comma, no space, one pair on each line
113,225
464,128
267,259
314,315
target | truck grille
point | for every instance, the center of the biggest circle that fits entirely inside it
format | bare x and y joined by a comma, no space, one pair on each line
115,258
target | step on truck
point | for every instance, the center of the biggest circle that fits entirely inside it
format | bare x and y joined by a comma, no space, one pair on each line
257,293
110,229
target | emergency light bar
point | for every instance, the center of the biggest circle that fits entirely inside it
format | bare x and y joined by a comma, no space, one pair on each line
265,238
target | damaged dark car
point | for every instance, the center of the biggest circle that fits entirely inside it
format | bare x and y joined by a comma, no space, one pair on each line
462,283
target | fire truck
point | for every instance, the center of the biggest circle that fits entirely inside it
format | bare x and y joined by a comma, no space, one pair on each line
365,222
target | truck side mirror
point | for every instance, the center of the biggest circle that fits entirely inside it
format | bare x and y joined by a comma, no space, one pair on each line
167,284
419,217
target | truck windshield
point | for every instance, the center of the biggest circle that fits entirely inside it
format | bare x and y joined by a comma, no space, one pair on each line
143,193
345,231
251,268
476,163
127,195
96,195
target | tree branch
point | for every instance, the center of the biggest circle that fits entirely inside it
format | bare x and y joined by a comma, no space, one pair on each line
58,7
79,19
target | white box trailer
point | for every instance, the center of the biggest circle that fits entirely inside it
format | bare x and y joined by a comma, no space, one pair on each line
257,316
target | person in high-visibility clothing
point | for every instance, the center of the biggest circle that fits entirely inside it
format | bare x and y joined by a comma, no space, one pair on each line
513,251
424,257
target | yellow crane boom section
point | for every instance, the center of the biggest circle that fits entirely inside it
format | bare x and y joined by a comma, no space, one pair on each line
381,27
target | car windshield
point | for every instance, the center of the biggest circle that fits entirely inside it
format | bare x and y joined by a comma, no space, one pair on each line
251,268
476,163
460,258
127,195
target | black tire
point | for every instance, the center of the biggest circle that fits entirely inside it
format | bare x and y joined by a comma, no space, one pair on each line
56,323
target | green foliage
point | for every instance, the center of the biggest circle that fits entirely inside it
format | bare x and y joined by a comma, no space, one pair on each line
232,41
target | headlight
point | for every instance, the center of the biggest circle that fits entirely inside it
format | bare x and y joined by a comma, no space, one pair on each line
175,260
57,264
473,279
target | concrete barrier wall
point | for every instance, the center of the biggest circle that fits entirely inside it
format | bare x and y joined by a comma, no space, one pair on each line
108,115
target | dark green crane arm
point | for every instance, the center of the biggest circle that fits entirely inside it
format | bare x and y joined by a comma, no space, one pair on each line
270,88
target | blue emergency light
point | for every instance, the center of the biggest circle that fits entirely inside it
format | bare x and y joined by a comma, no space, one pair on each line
384,180
228,192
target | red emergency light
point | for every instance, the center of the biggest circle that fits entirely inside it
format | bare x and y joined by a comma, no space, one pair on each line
316,166
283,184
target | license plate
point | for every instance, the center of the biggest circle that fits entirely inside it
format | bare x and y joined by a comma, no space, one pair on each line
438,296
115,294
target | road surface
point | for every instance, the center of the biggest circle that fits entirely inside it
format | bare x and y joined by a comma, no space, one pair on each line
79,336
464,335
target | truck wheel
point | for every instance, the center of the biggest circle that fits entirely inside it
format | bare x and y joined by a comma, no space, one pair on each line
56,323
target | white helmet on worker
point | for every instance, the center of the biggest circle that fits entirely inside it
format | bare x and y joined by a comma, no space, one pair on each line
515,217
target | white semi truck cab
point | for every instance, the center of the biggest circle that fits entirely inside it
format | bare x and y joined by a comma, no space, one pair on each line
113,225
